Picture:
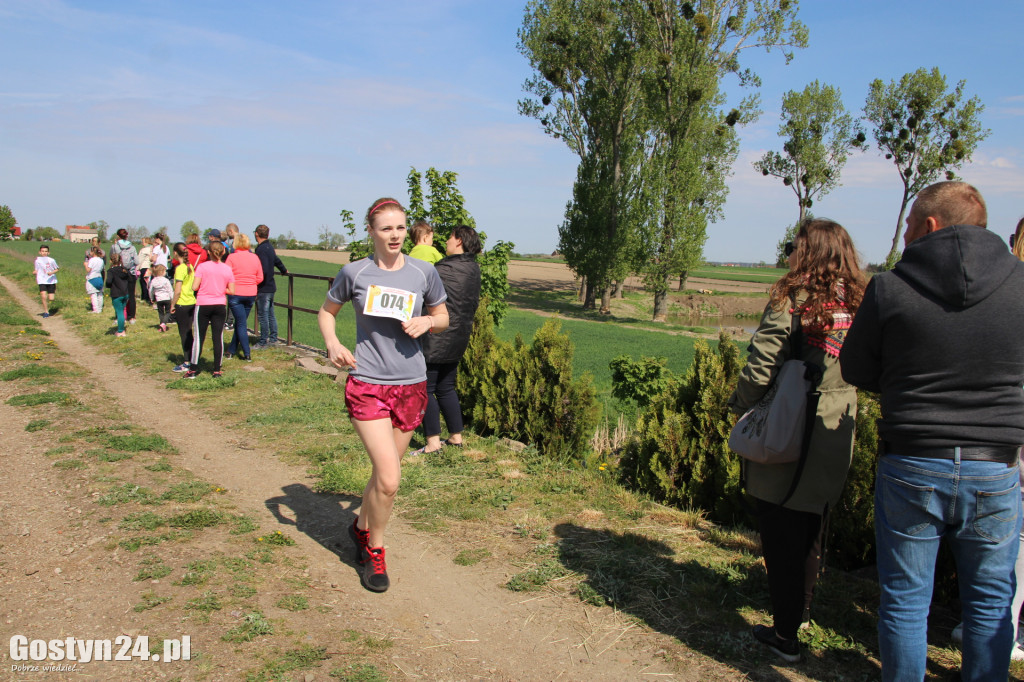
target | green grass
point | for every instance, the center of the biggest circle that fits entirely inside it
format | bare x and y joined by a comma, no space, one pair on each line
723,272
471,557
208,601
150,600
29,372
293,602
359,672
196,519
37,425
283,668
142,521
198,572
152,569
253,626
44,398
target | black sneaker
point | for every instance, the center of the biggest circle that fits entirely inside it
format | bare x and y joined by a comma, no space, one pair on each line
375,570
361,538
786,649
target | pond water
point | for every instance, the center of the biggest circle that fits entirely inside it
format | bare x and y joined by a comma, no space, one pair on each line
748,324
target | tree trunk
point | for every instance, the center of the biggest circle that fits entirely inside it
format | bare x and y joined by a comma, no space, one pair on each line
588,300
619,286
581,295
682,281
661,301
606,301
894,252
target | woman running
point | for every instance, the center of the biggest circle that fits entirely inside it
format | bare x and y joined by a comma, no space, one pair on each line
386,389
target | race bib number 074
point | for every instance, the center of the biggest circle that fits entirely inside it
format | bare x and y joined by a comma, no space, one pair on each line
397,304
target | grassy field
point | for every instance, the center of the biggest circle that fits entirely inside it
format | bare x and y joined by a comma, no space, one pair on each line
570,530
731,274
596,343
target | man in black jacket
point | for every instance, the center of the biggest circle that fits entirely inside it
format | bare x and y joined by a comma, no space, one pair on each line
267,288
940,338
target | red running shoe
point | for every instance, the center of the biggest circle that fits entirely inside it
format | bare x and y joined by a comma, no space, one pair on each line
361,538
375,571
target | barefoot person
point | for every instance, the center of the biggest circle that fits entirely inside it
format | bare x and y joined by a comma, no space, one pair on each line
386,390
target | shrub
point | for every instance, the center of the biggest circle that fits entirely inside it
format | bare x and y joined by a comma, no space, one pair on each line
680,453
852,522
527,392
640,381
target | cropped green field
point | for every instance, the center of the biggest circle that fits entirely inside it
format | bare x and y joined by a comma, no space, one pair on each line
731,274
596,343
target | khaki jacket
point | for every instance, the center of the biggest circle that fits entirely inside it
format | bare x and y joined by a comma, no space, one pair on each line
831,447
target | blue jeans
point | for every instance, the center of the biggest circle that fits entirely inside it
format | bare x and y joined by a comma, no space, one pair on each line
240,307
976,506
268,321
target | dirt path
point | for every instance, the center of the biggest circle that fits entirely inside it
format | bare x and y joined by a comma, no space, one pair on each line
447,621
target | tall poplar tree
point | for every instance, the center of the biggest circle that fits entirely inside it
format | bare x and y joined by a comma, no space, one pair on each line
925,129
693,46
585,91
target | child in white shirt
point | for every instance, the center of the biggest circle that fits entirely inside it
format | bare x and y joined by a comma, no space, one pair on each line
46,277
160,292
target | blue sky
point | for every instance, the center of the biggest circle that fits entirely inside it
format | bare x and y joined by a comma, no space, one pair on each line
153,113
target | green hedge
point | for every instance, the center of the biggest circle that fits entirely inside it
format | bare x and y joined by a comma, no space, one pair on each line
527,391
679,451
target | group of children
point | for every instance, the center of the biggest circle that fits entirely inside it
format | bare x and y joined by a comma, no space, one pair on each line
119,272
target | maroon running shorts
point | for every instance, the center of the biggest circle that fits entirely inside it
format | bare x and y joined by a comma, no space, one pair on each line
404,404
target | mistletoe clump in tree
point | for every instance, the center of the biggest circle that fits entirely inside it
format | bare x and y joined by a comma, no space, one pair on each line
926,130
818,136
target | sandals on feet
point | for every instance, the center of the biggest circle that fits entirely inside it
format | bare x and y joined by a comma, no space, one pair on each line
424,451
454,445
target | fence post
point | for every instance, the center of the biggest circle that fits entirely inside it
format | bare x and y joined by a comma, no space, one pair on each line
291,302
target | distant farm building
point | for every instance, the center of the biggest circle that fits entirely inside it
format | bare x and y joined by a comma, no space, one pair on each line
79,233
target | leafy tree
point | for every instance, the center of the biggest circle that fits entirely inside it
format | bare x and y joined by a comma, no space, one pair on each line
781,259
692,47
101,228
7,222
818,135
45,233
586,91
444,207
136,233
187,228
925,129
328,239
28,235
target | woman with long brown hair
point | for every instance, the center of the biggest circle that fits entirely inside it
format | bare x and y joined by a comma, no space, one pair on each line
809,311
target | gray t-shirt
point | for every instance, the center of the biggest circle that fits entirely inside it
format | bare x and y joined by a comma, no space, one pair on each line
385,354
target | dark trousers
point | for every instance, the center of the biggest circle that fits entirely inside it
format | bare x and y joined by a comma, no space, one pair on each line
183,315
163,310
209,317
791,542
144,287
442,398
129,309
